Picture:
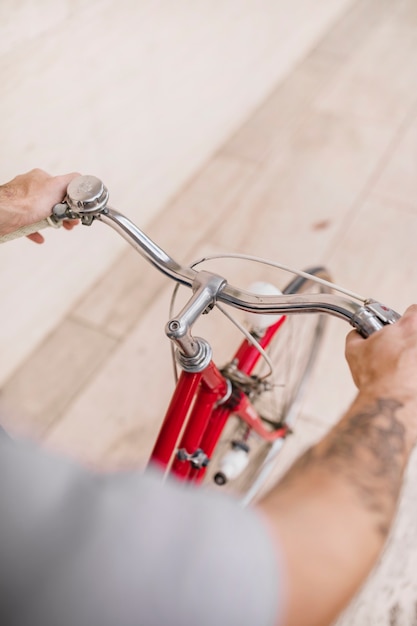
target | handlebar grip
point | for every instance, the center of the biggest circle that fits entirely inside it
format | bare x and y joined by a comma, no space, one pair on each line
30,228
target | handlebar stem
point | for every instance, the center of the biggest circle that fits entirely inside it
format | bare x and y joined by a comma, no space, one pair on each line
206,288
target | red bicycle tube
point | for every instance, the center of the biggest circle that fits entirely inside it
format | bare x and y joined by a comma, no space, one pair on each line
248,414
217,422
175,417
248,355
213,387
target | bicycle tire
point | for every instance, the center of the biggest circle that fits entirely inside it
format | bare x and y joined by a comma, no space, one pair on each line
303,333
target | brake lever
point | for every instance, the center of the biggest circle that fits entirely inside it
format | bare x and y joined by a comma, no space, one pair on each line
373,316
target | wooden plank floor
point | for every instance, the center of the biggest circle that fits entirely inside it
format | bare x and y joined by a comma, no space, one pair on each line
324,171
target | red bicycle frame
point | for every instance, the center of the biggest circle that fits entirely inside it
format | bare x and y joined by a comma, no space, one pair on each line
196,416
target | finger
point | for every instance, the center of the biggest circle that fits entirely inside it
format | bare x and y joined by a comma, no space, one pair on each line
408,322
36,237
353,339
69,224
411,310
353,342
57,186
65,179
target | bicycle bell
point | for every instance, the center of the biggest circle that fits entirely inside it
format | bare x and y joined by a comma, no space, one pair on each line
86,195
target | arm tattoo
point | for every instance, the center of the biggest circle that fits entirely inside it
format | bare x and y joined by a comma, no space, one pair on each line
369,449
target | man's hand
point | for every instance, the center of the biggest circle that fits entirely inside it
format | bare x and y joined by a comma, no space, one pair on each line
29,198
386,362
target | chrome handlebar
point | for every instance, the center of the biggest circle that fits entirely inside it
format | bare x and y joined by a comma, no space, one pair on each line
87,200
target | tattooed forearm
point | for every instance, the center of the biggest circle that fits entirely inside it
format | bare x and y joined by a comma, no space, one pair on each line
369,448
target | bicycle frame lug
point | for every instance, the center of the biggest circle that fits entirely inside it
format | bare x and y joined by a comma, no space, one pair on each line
197,459
197,362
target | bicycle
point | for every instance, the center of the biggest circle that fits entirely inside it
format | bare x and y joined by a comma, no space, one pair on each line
226,425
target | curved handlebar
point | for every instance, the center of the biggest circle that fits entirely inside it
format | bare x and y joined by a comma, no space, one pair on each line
364,316
87,200
234,296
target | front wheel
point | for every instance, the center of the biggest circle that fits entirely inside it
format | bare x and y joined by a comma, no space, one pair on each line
292,351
